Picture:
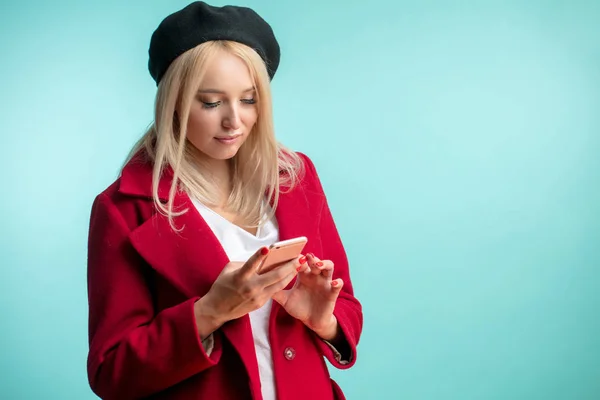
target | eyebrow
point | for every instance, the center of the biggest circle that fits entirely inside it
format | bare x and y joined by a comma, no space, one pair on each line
222,92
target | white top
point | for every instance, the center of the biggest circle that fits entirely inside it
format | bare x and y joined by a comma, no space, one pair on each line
239,245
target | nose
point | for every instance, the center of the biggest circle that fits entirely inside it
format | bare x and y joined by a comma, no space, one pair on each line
232,118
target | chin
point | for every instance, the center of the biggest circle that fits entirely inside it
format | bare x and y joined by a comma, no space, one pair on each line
223,155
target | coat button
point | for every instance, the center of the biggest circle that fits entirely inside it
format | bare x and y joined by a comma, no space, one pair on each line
289,353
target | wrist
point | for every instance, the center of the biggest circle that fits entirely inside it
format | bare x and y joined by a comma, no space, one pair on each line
207,320
330,331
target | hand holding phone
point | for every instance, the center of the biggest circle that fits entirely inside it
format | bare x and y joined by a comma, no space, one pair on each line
282,252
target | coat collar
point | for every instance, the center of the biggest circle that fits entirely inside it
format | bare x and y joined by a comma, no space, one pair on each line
136,178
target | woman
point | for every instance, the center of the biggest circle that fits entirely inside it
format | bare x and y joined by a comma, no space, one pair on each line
178,308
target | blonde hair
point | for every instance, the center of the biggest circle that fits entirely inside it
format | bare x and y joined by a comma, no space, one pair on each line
261,168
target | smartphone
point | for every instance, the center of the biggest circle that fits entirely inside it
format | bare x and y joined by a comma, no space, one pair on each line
281,252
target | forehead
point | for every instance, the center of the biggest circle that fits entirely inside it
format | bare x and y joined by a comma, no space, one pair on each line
226,72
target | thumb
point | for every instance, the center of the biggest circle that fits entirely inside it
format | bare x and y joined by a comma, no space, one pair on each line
254,261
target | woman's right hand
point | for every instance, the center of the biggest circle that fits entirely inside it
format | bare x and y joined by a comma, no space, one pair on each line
239,289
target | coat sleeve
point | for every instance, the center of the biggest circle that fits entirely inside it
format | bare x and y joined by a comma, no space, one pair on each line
348,309
134,352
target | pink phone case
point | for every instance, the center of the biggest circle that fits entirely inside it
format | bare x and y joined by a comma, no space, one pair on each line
282,252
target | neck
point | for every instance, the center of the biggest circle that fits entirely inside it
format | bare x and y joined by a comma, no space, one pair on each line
220,173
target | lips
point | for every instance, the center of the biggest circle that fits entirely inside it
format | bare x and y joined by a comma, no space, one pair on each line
228,137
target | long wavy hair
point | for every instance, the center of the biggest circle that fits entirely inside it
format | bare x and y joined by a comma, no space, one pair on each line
261,169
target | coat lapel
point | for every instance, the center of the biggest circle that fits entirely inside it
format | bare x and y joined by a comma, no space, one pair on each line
191,260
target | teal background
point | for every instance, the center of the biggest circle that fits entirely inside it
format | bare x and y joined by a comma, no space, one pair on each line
458,144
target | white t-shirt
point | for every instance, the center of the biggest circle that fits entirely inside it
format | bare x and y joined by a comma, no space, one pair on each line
239,245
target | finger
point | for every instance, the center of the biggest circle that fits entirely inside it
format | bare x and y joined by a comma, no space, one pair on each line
303,260
279,273
279,285
336,286
314,263
305,273
323,267
254,262
312,259
327,269
316,268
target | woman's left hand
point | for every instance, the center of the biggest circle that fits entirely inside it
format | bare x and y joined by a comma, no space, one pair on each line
313,297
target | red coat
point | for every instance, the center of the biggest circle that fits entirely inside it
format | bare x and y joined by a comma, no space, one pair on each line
143,280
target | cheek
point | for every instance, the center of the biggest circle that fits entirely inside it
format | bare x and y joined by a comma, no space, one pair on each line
200,124
250,118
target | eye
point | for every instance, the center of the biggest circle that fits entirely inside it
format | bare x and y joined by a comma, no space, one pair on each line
249,101
206,104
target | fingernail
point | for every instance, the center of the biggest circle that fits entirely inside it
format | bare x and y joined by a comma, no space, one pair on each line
334,283
264,251
299,268
319,264
311,254
302,259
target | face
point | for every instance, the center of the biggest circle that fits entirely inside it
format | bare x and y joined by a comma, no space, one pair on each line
224,110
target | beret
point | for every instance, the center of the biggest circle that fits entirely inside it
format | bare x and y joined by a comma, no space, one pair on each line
198,23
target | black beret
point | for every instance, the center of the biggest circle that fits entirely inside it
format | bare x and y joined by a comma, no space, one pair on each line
198,23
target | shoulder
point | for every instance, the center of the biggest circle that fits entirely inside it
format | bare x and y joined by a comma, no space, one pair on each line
306,161
130,195
130,181
309,177
135,180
